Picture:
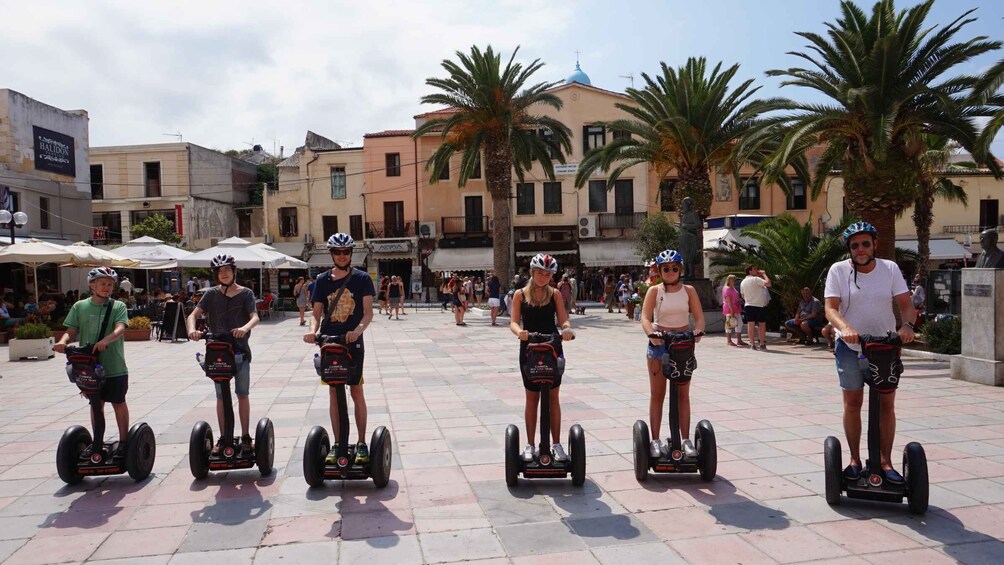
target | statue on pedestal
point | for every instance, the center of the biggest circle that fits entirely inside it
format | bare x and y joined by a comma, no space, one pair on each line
992,257
690,222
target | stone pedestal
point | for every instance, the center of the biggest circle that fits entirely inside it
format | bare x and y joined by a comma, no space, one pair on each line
982,358
705,290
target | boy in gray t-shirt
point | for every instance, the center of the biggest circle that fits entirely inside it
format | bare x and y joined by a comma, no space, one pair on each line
230,310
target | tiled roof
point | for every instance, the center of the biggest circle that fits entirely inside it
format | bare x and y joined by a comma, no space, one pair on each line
391,133
444,111
291,161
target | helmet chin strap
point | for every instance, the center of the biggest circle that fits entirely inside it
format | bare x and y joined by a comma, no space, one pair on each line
345,268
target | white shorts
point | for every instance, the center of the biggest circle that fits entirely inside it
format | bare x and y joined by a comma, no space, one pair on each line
494,303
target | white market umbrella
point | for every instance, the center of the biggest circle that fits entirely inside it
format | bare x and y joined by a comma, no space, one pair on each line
33,253
86,255
289,262
247,255
152,254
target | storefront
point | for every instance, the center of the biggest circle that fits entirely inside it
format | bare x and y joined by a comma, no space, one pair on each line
396,258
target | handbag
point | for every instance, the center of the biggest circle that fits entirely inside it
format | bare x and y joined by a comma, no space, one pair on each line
731,322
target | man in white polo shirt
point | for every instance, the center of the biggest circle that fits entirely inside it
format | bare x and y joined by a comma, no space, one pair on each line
754,289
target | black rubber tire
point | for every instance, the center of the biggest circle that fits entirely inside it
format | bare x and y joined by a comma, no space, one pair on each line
577,447
200,444
707,450
264,446
915,474
141,452
833,467
75,439
512,462
315,449
641,456
381,456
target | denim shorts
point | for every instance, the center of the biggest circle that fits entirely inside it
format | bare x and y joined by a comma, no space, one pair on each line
656,351
242,381
851,367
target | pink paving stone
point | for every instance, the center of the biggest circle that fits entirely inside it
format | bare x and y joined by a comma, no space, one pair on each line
793,544
708,494
491,472
27,471
941,472
57,549
985,519
605,463
6,500
570,558
442,476
422,446
177,494
768,488
499,561
738,550
448,518
978,467
360,497
377,524
680,523
415,435
609,433
457,422
740,469
799,446
863,536
83,522
642,500
139,543
925,556
163,515
614,480
441,495
301,529
255,487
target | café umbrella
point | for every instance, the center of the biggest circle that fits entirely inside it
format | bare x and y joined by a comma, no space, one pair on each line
34,253
246,254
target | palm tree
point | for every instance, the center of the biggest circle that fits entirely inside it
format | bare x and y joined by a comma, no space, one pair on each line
934,184
888,80
788,251
685,120
492,113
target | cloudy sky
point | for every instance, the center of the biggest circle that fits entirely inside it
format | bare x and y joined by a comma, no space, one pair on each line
224,73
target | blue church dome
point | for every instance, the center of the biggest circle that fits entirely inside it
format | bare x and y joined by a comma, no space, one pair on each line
578,76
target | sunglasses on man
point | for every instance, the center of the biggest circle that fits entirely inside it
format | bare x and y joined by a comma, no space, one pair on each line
866,244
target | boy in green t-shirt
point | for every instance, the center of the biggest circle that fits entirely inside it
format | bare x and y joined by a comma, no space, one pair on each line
83,324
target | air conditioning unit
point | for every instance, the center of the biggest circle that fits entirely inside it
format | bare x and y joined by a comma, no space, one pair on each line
527,235
491,224
587,227
214,241
269,239
308,239
427,229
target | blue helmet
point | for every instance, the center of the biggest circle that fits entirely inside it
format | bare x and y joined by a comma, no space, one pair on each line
859,227
340,240
669,256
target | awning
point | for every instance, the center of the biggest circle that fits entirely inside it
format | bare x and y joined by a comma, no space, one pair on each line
462,259
293,249
941,249
323,259
555,253
608,253
5,239
717,237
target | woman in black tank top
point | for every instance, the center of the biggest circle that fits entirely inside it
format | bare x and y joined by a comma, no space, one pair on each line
538,307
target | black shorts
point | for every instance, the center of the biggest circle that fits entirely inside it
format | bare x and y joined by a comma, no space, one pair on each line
113,389
522,361
755,314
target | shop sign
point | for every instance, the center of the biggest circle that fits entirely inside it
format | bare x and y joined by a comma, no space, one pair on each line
54,152
397,247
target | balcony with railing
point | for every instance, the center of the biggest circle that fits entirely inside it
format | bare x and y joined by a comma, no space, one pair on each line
385,230
464,225
969,228
614,221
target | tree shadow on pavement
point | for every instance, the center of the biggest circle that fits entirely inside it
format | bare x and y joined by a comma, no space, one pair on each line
97,506
731,508
365,514
964,545
237,501
587,515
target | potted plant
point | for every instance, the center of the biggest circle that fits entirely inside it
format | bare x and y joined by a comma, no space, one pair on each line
32,341
138,329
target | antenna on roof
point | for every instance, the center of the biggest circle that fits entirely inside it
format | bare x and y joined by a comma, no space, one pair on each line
178,135
630,77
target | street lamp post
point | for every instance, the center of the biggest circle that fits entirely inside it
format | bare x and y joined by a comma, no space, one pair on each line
11,219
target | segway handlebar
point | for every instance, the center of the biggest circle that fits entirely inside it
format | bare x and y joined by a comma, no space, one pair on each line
542,337
323,339
673,337
890,338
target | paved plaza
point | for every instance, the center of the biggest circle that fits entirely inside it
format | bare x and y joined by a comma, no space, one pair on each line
447,393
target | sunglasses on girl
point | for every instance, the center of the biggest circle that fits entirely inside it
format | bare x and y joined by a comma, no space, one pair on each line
866,244
341,252
671,269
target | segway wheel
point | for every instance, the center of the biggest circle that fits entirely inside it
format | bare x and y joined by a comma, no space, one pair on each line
577,446
141,451
264,446
380,459
314,452
641,456
915,473
200,444
707,450
833,467
512,463
75,439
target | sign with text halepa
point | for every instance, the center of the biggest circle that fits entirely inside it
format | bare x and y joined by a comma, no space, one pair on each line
54,152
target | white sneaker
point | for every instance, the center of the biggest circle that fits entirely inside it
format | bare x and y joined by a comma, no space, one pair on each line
655,450
559,453
528,453
688,449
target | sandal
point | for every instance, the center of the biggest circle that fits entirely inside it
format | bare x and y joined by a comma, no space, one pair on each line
852,472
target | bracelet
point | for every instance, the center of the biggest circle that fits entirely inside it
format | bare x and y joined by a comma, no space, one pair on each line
910,324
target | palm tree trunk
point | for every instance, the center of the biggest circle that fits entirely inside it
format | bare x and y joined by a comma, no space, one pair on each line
499,180
923,217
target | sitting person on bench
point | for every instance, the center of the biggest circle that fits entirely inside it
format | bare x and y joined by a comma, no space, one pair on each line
808,320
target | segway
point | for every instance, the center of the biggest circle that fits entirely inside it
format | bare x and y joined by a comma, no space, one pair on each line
337,368
543,366
678,366
221,364
81,455
883,355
